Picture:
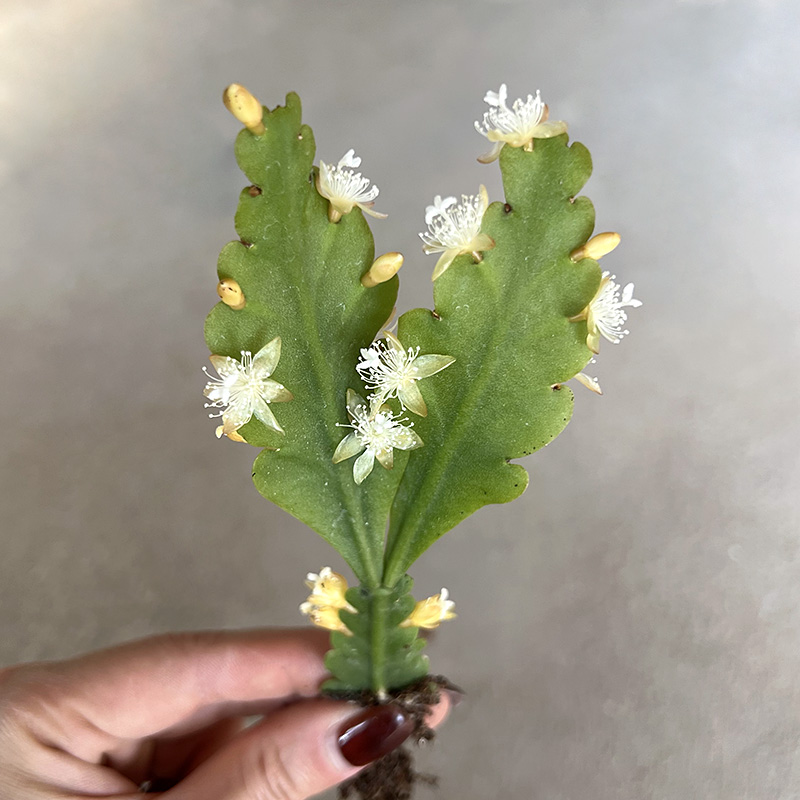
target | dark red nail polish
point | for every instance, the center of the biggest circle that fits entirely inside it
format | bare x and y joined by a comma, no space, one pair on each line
373,733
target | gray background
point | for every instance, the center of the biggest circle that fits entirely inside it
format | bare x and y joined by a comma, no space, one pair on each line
630,627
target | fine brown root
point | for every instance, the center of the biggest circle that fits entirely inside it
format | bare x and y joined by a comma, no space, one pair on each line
393,777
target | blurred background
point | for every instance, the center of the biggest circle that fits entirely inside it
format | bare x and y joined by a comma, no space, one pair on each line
630,627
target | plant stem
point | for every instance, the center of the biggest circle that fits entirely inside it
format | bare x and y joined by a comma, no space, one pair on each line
380,602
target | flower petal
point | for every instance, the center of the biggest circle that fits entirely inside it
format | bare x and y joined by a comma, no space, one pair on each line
354,401
627,297
368,210
483,242
410,397
363,466
492,154
427,365
347,448
264,413
445,260
275,392
224,365
385,457
394,342
546,130
234,417
407,439
589,382
350,159
266,359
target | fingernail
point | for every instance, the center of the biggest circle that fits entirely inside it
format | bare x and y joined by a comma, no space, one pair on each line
373,733
454,695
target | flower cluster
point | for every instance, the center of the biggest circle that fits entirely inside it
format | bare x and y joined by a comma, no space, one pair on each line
244,389
517,126
390,371
345,188
455,229
326,600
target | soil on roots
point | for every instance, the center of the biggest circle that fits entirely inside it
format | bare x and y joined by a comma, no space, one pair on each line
393,777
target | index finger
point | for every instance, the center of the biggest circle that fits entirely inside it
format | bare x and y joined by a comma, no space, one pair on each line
144,687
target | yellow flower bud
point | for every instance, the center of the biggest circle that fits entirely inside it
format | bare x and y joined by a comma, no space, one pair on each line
383,268
597,247
231,294
245,108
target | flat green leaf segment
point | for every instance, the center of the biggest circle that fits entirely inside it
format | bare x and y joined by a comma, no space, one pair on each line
380,655
506,321
300,275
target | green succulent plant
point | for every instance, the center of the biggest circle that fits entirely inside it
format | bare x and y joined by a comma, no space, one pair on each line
444,404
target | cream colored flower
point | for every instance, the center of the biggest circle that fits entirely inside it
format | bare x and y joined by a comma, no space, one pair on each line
517,126
244,388
345,188
393,371
431,612
327,598
455,229
376,431
604,315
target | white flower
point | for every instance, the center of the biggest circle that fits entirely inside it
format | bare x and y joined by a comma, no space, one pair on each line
244,388
377,432
393,372
604,315
431,612
327,598
455,229
346,188
517,126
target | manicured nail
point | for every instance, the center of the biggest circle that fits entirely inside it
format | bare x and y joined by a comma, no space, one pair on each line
454,695
373,733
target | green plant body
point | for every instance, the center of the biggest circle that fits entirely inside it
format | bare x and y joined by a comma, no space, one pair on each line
482,374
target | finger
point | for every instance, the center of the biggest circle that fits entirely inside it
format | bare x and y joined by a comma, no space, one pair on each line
142,688
299,751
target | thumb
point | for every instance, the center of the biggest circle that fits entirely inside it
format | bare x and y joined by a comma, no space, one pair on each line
296,752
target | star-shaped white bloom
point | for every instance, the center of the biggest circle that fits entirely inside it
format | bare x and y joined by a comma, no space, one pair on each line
455,229
604,315
345,188
244,388
431,612
517,126
392,371
376,431
327,598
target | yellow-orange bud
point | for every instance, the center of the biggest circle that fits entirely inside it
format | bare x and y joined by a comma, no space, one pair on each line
231,294
244,107
597,247
382,269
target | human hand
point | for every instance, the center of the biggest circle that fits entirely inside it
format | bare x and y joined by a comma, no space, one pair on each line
171,710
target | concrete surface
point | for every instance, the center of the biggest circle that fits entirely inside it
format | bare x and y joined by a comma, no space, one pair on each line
630,627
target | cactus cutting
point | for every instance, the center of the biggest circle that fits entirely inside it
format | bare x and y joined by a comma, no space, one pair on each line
382,438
